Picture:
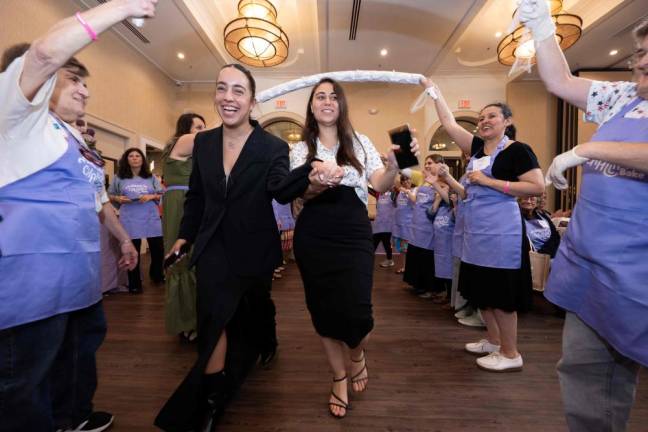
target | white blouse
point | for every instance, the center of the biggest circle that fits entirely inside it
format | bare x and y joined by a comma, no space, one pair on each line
364,151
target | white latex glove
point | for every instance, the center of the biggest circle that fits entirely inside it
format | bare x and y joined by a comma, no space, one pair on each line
561,163
535,15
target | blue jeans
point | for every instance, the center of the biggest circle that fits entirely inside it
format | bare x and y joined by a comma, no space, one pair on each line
48,371
597,383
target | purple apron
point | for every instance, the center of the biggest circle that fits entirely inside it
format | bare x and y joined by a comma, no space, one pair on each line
422,227
457,235
492,222
600,272
538,231
385,211
140,220
403,217
443,236
283,216
49,241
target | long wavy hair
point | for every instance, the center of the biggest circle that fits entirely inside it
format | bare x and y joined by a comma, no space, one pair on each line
124,171
345,132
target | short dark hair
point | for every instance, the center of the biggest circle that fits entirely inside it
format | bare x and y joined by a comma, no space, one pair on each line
12,53
76,67
18,50
511,130
124,170
641,31
437,158
247,74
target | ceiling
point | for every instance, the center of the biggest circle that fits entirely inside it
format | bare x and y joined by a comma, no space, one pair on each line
440,37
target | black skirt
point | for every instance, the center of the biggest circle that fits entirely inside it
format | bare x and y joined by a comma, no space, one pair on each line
334,252
510,290
419,269
241,306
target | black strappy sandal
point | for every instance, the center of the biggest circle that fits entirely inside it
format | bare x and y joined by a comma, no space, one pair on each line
355,379
340,403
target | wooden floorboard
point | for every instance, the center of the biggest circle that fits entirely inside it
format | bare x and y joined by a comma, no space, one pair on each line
420,377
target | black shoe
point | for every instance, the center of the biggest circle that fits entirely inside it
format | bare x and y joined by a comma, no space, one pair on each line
218,397
267,357
135,290
97,422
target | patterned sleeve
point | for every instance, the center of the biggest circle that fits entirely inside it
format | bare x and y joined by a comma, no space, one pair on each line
298,155
373,162
606,98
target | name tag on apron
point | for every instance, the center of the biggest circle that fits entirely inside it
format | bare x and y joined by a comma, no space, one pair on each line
481,163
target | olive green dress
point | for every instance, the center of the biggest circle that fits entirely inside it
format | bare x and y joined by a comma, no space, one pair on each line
180,307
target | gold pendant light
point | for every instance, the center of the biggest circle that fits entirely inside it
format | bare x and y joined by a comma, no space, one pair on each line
568,31
254,38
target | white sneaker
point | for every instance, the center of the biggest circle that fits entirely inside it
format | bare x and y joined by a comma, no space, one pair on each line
463,313
387,263
496,362
472,321
481,347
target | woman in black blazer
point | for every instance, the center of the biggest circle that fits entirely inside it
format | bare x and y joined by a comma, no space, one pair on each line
238,169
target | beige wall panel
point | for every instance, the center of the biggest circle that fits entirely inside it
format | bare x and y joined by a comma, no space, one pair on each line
534,113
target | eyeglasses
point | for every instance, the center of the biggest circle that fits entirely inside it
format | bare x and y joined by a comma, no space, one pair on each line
92,156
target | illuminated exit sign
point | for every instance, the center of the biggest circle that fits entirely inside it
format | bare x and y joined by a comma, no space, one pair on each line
464,104
280,104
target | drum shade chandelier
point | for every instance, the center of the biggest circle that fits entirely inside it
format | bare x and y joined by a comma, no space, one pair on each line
514,45
254,38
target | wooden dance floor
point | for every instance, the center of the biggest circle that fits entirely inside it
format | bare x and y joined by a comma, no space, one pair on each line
420,377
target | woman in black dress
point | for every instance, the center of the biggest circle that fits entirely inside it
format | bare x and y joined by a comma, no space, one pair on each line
495,273
238,169
333,242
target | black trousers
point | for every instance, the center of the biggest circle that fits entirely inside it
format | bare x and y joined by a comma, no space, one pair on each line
385,239
156,273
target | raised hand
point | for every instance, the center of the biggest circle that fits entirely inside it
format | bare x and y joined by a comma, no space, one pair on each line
139,8
536,16
443,170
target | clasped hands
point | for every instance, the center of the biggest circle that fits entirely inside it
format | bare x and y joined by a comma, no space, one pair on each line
325,174
436,171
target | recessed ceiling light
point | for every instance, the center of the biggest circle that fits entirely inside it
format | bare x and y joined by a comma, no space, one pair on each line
384,52
457,50
181,56
498,34
614,52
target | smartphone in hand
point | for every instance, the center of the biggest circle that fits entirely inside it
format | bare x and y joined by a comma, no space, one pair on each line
175,257
402,137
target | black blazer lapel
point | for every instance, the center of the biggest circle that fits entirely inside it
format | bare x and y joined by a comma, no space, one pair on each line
214,162
251,151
